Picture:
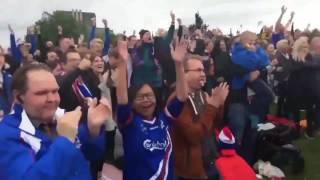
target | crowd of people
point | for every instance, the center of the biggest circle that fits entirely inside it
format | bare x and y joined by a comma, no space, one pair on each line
178,105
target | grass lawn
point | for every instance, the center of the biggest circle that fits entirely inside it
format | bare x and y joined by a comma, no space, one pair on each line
311,152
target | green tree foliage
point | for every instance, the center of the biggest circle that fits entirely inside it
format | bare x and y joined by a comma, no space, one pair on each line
71,27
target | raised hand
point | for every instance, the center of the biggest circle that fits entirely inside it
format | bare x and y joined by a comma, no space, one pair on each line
98,114
67,125
218,95
179,21
93,21
173,16
10,29
292,15
38,29
60,29
179,52
85,64
81,39
105,23
283,9
254,75
122,46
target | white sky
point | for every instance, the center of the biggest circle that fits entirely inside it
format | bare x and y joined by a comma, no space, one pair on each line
153,14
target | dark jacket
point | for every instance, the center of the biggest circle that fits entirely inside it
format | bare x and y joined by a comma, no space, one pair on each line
163,54
304,82
69,97
283,69
146,68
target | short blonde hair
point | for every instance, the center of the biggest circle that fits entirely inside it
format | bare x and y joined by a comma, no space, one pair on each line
282,44
246,36
96,40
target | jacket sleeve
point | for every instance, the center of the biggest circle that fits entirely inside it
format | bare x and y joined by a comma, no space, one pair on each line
7,88
92,35
92,148
42,48
33,41
169,36
106,45
180,32
195,132
18,160
15,50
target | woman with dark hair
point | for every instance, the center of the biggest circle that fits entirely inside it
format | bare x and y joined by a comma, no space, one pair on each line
145,131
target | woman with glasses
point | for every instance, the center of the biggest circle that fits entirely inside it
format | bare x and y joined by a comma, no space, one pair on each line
145,131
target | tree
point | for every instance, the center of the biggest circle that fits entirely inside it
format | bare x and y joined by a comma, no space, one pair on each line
71,27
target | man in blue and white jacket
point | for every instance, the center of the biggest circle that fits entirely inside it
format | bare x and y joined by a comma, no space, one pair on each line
36,143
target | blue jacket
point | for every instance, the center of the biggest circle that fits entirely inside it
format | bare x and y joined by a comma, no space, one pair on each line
27,153
249,60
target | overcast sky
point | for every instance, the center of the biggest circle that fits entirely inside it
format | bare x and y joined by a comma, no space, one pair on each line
153,14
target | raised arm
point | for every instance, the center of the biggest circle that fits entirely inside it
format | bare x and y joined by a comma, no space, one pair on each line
122,86
107,38
32,39
60,34
170,34
92,34
16,54
180,30
278,23
178,54
290,20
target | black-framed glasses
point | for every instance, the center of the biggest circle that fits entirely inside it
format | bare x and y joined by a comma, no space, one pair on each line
141,97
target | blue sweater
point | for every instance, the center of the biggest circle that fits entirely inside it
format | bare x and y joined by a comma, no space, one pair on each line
27,153
147,144
249,60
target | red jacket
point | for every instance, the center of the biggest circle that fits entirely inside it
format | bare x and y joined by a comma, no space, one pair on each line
232,167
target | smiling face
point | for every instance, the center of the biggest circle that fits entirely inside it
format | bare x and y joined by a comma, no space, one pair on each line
195,75
97,65
144,102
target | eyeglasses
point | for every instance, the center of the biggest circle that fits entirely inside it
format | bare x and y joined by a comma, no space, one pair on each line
141,97
195,70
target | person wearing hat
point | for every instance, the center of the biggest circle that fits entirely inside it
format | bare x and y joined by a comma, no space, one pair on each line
146,68
229,164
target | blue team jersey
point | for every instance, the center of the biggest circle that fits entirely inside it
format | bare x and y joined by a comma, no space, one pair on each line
147,144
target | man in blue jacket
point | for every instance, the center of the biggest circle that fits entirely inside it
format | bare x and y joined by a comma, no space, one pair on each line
38,141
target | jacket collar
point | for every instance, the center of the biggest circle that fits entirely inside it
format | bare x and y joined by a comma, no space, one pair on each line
26,124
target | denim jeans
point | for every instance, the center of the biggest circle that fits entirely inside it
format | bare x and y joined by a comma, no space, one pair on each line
237,120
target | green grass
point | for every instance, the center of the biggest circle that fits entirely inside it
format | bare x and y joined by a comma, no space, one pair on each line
311,152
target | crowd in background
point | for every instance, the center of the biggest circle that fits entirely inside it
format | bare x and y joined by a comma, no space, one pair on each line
180,104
